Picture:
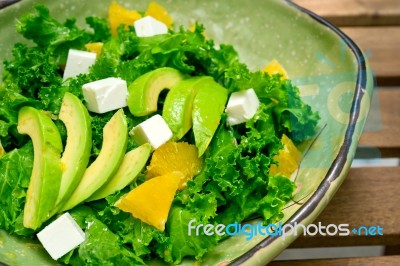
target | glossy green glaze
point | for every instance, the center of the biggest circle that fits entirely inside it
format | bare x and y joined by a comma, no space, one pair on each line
330,71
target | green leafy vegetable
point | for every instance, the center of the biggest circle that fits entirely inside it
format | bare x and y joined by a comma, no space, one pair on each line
195,245
234,184
47,32
103,247
101,31
15,171
10,102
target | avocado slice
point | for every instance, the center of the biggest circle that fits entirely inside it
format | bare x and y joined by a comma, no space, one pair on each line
115,138
75,158
45,179
144,91
132,164
208,106
177,110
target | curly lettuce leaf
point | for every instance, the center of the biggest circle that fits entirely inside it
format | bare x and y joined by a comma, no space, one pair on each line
10,102
15,171
280,190
32,69
292,116
47,32
235,184
295,118
187,51
36,71
140,236
101,30
103,247
183,244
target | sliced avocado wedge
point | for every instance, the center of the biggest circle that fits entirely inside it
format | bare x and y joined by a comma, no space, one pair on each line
177,110
132,164
115,137
75,158
45,180
144,91
208,106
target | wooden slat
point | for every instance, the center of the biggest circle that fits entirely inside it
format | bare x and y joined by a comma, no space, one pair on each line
368,197
365,261
392,250
381,45
387,139
356,12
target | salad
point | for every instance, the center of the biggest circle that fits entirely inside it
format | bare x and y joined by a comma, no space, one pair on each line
150,128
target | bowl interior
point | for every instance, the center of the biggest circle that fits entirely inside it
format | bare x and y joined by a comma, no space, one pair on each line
316,59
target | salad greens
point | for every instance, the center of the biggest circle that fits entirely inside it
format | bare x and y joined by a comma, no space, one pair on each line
234,184
16,167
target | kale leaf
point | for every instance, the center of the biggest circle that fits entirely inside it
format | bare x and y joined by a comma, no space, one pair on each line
15,171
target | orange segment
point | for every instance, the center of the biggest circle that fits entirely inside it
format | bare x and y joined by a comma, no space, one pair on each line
175,156
94,47
151,201
288,159
192,27
118,15
160,13
275,68
2,151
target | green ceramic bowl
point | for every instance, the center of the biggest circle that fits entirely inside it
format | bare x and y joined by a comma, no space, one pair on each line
329,68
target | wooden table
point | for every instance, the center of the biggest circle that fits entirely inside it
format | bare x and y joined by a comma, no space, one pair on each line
369,195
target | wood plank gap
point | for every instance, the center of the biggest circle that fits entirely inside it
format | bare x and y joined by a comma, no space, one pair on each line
380,45
365,261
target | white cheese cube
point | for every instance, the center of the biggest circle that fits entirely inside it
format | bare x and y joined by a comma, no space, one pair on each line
149,26
242,106
105,95
78,62
61,236
154,131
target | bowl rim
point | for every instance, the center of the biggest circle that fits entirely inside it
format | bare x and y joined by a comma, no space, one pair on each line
5,3
339,163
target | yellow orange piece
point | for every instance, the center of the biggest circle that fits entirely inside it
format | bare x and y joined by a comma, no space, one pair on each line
275,68
192,27
2,151
118,15
288,159
160,13
94,47
175,156
151,201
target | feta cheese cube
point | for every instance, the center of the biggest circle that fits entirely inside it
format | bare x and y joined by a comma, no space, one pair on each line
154,131
105,95
61,236
149,26
78,62
242,106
